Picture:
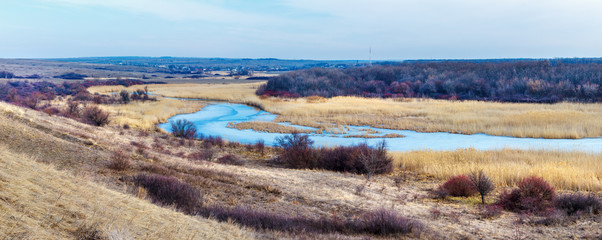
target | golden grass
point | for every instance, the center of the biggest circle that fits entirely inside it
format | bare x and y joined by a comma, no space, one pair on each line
562,120
270,127
564,170
146,115
39,202
241,93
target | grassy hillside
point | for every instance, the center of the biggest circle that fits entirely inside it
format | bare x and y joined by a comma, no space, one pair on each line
39,202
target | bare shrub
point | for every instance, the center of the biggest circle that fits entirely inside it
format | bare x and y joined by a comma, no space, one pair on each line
73,109
483,183
578,204
125,96
439,193
95,116
553,218
385,222
297,151
210,141
203,155
167,190
120,161
460,186
51,111
260,146
183,128
379,222
376,160
231,159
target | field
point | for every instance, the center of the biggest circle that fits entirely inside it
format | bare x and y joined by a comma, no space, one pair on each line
34,144
562,120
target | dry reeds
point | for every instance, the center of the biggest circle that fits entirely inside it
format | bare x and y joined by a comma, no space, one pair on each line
269,127
146,115
564,170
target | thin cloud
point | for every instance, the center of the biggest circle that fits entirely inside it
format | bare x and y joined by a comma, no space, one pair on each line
173,10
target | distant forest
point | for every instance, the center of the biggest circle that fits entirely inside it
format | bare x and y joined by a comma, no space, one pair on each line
544,81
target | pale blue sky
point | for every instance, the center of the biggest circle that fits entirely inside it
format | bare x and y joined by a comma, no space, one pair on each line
302,29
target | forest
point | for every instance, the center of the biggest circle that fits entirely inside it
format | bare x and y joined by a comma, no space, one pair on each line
537,81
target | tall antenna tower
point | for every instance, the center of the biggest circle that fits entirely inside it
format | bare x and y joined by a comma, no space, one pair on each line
370,57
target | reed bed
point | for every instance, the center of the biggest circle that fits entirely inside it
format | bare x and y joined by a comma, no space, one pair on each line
564,170
269,127
146,115
561,120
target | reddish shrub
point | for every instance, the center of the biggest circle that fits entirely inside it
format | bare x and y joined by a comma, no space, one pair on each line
533,195
166,190
460,186
298,152
231,159
95,116
360,159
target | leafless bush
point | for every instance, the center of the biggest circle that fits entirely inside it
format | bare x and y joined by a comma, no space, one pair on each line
96,116
483,183
183,128
119,161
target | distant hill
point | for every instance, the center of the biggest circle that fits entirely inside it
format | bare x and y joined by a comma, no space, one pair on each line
217,64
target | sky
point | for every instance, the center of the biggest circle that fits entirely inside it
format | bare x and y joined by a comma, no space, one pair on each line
302,29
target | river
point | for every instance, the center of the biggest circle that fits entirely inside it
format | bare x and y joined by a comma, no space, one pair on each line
214,118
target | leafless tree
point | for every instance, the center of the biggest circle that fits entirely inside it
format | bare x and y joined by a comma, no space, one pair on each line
183,128
482,182
376,160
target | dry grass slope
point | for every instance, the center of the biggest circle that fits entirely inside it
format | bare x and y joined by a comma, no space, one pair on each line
564,170
562,120
39,202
